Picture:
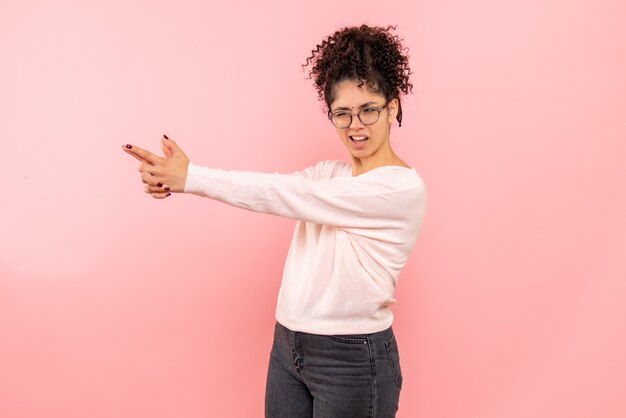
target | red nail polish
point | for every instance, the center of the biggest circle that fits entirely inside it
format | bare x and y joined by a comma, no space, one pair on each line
159,184
167,188
169,194
128,146
165,136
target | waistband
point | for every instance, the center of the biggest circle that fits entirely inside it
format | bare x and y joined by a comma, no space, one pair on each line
385,334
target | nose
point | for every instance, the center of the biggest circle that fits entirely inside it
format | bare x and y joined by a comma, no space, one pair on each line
355,119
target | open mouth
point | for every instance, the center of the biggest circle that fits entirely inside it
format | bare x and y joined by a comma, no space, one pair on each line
358,139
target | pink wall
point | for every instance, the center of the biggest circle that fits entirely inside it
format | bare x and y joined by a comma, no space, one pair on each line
114,304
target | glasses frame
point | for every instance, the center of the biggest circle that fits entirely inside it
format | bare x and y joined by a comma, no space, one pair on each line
358,115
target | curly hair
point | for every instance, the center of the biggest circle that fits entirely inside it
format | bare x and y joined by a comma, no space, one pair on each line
368,54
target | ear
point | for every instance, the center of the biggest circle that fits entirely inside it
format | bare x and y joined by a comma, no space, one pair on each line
393,109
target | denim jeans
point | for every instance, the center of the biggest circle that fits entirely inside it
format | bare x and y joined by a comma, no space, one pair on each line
333,376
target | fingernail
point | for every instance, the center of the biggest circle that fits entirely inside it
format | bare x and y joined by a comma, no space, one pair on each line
169,194
159,184
167,188
128,146
165,136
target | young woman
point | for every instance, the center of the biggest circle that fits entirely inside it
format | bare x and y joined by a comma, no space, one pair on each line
334,352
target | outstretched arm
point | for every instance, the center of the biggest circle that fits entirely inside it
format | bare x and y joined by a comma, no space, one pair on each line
383,198
379,199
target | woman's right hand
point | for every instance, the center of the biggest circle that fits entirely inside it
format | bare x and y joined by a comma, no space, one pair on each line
162,176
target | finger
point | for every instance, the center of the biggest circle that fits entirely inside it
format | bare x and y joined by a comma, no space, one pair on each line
143,160
172,146
156,188
145,154
166,151
149,168
142,167
150,179
160,195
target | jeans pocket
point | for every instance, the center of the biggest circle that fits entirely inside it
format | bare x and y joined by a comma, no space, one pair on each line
394,360
349,339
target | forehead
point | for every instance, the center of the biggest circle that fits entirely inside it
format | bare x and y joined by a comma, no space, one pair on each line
349,94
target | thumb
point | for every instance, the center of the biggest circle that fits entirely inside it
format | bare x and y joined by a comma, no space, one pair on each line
171,146
166,151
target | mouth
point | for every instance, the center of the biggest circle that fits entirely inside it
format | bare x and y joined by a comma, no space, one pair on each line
358,139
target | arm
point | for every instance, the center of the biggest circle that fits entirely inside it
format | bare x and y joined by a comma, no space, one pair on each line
376,199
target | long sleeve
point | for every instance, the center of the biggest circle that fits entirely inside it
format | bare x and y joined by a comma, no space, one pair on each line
352,238
380,198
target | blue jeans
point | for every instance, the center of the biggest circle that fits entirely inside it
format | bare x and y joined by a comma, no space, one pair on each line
333,376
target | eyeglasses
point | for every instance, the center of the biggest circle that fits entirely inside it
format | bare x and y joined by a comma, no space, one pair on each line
367,116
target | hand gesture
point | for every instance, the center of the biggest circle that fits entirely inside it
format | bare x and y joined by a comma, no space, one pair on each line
162,176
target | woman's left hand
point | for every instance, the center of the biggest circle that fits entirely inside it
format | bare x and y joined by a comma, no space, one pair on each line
162,176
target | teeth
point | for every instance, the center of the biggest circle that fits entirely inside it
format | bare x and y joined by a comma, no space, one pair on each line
358,138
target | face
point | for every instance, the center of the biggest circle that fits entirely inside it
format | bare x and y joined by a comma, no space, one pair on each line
351,98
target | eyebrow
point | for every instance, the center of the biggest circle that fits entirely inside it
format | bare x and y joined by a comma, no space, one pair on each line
360,107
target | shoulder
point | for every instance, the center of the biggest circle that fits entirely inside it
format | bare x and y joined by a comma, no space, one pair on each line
326,169
398,173
332,164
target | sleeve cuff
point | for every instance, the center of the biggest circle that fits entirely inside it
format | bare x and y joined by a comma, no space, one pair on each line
201,180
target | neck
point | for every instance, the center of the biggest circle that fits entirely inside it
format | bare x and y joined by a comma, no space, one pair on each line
382,157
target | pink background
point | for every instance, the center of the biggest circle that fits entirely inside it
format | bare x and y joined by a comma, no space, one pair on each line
114,304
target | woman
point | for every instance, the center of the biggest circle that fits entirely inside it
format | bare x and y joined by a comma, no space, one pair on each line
334,352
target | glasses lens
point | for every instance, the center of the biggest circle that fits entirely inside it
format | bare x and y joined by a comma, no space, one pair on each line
341,120
369,116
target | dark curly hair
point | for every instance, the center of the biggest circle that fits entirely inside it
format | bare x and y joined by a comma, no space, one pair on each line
368,54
